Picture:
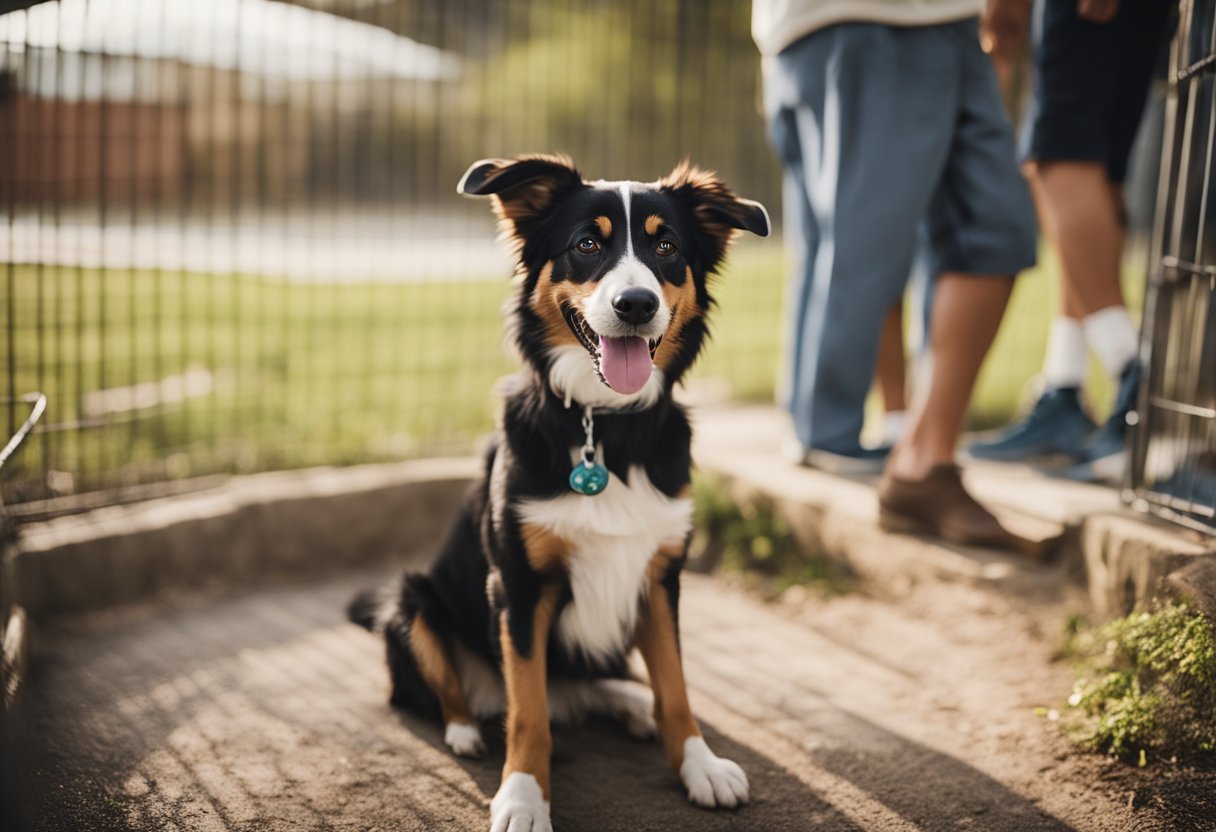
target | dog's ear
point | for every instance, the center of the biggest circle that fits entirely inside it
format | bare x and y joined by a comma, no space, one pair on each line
522,187
718,212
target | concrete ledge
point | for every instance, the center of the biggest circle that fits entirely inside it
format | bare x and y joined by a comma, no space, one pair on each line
1128,559
838,517
266,524
1121,558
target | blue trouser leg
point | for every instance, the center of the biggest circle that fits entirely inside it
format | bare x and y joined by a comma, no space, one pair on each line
801,238
862,117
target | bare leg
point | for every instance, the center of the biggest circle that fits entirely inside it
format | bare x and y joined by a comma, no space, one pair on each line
1080,213
891,361
967,311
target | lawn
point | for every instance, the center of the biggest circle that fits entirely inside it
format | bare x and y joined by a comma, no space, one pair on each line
304,374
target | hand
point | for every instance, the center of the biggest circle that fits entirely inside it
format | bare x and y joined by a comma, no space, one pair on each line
1003,29
1097,11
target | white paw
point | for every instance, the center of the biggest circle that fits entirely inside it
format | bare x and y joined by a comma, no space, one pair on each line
464,739
712,781
519,806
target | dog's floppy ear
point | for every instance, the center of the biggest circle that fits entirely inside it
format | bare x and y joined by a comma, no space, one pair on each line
522,187
717,210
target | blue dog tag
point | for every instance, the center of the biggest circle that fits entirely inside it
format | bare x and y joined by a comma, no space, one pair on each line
589,478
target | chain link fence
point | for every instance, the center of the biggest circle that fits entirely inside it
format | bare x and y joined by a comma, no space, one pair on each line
230,239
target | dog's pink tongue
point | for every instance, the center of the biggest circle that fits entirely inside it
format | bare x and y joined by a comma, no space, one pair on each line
625,363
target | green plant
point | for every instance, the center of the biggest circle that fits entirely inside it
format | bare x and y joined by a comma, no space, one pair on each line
749,535
1146,683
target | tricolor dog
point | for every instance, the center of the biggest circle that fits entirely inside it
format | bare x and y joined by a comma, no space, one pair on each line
567,555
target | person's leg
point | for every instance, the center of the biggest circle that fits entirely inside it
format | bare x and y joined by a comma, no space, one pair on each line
892,366
1067,143
1094,80
967,311
1057,422
1083,203
1142,31
1085,226
982,227
846,89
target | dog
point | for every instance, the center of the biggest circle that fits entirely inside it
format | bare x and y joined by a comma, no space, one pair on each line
566,556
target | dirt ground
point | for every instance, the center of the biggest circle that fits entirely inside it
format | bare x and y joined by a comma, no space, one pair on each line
265,710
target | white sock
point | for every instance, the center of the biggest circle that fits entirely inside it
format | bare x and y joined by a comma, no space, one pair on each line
1067,361
1113,337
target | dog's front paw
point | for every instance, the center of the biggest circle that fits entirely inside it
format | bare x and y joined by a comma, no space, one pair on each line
712,781
519,806
464,739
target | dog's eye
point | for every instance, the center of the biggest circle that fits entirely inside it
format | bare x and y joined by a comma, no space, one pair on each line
665,248
587,245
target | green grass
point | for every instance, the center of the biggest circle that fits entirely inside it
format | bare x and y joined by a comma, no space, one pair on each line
309,374
1146,685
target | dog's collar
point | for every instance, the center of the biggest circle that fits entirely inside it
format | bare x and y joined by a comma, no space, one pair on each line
571,402
617,411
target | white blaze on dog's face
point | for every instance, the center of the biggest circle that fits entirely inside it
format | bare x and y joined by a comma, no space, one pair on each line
614,295
628,311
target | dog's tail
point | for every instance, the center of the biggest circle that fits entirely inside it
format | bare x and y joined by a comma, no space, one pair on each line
372,609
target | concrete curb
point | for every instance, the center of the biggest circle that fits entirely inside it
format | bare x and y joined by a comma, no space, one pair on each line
262,525
1125,562
1130,560
838,518
1122,559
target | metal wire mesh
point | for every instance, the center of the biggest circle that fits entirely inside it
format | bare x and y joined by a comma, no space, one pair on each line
232,240
1173,470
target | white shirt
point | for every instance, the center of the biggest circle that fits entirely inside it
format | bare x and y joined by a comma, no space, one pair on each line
778,23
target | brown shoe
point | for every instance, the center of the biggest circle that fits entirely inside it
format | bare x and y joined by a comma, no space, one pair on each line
939,506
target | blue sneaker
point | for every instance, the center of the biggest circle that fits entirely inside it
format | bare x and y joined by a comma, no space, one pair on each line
1055,425
1104,454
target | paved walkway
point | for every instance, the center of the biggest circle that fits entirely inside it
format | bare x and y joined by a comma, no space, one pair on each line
266,711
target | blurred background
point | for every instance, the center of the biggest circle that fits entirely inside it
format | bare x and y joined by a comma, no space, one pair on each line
231,241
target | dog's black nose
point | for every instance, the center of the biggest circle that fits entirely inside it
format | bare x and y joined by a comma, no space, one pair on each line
636,305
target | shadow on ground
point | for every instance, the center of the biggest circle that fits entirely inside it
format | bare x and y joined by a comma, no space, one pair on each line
267,711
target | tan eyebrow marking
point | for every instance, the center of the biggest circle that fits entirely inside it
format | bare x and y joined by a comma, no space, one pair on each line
652,224
605,226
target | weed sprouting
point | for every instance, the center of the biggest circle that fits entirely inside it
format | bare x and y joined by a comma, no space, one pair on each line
1146,685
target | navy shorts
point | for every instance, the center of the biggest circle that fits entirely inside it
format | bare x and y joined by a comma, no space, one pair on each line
1091,82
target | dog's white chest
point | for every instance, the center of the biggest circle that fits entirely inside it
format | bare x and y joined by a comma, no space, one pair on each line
614,536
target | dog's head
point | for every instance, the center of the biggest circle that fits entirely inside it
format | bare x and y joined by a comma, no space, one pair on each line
614,274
